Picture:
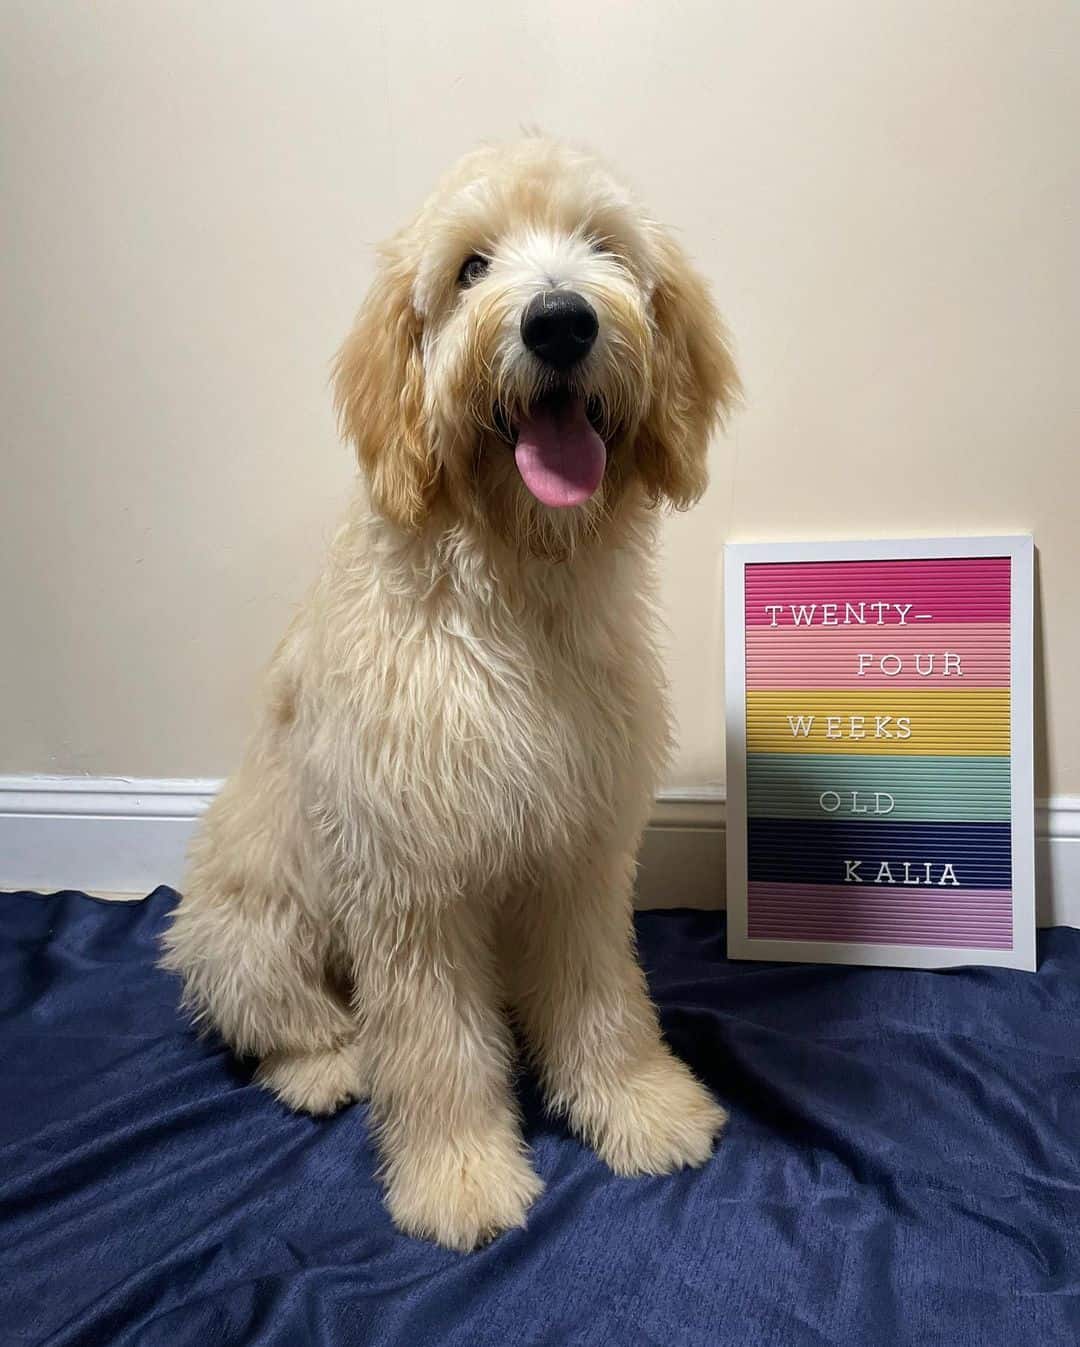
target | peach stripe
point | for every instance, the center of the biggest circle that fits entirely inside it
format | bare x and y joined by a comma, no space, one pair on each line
828,657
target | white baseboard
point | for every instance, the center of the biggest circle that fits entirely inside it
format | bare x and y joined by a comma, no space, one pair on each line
105,834
117,835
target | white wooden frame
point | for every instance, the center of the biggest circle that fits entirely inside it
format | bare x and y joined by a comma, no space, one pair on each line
1019,548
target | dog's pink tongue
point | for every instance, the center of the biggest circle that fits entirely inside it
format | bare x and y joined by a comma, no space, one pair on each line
560,457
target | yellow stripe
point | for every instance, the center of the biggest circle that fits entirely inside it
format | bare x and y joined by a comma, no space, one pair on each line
972,723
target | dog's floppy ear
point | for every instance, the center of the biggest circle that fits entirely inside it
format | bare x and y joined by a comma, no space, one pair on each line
379,395
693,381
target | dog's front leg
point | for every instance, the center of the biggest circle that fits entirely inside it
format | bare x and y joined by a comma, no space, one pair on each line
438,1055
583,1004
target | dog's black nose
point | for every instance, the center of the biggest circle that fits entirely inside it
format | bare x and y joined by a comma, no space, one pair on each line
560,327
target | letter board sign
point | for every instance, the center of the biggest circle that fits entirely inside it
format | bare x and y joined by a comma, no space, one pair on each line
879,729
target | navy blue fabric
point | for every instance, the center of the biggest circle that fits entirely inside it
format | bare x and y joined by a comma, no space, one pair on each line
902,1167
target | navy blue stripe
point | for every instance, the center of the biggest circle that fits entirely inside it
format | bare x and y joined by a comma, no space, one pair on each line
813,851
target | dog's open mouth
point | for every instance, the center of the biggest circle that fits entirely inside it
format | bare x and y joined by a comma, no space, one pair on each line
558,451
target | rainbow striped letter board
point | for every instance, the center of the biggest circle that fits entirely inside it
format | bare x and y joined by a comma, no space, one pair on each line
880,804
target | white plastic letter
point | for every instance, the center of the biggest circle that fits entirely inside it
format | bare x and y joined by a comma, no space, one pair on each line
952,665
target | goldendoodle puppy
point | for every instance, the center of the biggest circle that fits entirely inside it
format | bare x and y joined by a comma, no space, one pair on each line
432,836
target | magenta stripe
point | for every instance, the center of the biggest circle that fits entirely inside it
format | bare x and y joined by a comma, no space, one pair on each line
883,923
959,589
961,918
945,929
945,926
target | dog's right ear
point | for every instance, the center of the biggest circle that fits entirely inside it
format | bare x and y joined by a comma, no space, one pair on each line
693,380
379,396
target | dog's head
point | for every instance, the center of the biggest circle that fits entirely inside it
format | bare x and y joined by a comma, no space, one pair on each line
534,351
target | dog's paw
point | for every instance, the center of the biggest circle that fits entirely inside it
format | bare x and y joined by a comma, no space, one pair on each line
462,1196
313,1082
658,1120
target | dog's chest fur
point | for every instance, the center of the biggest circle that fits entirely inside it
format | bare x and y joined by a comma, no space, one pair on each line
484,711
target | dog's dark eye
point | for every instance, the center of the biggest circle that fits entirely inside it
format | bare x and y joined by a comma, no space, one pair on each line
473,269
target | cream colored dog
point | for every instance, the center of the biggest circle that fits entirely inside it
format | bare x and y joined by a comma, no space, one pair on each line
434,830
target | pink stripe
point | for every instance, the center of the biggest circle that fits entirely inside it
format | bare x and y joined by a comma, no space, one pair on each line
876,938
959,589
960,918
828,657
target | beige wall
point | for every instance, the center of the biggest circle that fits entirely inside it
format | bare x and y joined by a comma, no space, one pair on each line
883,193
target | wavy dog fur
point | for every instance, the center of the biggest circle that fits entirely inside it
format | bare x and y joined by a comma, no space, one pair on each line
434,829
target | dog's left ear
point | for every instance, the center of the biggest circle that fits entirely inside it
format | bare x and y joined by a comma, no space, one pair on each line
379,395
694,381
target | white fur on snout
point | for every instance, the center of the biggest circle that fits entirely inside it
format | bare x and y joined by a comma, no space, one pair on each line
537,262
550,261
479,345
